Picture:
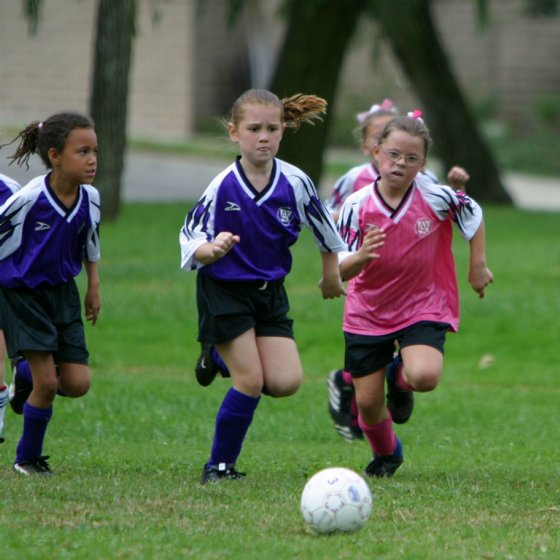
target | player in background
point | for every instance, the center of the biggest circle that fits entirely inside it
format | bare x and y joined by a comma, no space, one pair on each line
7,187
48,231
402,284
238,238
371,123
342,401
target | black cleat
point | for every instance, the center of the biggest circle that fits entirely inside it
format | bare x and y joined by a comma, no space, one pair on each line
340,406
20,389
384,466
219,472
206,368
30,467
400,403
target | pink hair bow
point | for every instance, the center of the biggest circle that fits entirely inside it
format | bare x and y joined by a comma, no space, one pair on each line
416,114
387,106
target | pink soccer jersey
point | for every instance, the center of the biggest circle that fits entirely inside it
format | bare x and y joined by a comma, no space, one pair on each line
352,181
414,279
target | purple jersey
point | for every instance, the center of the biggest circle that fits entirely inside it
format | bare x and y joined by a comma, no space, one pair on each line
42,241
7,188
268,223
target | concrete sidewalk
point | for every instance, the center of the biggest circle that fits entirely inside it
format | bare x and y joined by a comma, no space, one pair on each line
152,177
157,177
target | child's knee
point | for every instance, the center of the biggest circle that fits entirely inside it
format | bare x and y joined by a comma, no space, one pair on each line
424,380
283,388
46,389
75,388
371,402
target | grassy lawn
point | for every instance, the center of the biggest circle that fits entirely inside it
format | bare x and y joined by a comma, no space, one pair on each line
480,481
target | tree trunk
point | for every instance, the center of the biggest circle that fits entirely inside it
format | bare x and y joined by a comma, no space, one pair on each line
410,31
109,97
317,36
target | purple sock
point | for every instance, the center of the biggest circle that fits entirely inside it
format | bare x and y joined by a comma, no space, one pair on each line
23,371
35,422
232,422
219,362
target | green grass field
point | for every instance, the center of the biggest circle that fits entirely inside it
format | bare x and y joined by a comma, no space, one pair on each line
481,477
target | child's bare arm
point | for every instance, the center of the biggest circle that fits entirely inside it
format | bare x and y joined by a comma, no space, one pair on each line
479,273
211,251
92,299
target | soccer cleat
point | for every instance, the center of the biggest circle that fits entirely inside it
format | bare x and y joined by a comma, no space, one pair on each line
400,403
384,466
340,406
30,467
206,368
219,472
20,389
350,433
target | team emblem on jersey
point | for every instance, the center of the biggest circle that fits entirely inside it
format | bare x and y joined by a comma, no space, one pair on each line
423,227
232,207
285,215
41,226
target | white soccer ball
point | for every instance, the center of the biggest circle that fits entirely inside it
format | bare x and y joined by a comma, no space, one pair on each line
336,499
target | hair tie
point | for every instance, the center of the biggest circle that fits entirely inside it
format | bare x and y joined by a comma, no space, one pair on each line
387,106
416,114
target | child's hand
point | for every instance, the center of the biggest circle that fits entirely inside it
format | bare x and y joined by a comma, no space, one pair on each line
374,238
332,287
458,177
479,278
222,244
92,305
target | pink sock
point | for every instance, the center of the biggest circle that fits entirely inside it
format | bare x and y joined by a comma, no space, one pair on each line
347,378
380,436
401,383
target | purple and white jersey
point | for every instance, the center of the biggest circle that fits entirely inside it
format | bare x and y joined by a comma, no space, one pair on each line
7,188
267,222
42,241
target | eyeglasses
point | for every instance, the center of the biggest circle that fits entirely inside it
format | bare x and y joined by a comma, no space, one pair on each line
411,160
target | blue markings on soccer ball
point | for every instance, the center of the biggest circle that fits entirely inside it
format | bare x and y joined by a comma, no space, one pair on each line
354,494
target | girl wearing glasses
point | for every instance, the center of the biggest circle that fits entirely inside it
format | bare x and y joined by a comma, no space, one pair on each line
342,400
403,286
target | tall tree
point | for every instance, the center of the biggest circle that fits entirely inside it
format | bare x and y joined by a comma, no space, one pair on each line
310,60
409,28
109,96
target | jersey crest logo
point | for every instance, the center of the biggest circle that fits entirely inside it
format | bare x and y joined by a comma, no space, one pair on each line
232,207
423,227
285,215
41,226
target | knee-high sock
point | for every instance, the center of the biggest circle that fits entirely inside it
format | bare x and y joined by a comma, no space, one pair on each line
232,422
23,370
347,378
35,422
381,436
219,362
